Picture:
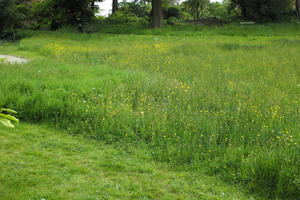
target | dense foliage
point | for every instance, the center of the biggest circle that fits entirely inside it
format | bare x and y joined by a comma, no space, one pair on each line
197,8
139,12
221,10
6,14
137,8
56,13
136,12
263,10
171,11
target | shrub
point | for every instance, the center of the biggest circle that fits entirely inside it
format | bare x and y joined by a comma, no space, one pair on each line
118,17
10,34
171,11
197,8
174,21
136,8
219,10
57,13
121,17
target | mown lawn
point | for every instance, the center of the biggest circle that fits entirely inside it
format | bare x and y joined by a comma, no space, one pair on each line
37,163
224,100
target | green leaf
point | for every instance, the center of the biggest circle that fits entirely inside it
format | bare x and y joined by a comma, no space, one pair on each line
8,110
12,118
6,123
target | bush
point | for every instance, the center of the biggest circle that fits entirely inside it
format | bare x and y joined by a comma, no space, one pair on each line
171,11
219,10
136,8
118,17
137,12
174,21
10,34
197,8
57,13
121,17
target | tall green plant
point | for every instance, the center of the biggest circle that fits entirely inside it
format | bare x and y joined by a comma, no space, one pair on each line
196,8
6,118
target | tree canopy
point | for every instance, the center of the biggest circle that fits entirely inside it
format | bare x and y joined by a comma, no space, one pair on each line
6,14
263,10
53,14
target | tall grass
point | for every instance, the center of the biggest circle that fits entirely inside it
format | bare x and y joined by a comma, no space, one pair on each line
221,99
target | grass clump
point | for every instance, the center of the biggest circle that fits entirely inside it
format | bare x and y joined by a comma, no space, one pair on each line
203,98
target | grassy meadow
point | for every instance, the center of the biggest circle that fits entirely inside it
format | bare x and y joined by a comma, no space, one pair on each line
221,100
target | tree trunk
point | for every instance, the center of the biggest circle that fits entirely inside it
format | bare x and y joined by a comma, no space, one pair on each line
93,6
157,15
197,8
115,6
298,7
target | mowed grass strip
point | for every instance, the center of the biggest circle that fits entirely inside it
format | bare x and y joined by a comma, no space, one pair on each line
41,163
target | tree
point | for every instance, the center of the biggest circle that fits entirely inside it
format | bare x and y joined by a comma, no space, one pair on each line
6,14
297,7
196,7
61,12
115,6
263,10
216,9
157,14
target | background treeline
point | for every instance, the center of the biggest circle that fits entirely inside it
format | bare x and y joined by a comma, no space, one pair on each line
53,14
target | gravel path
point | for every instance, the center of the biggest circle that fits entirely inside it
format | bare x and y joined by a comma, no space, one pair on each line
13,59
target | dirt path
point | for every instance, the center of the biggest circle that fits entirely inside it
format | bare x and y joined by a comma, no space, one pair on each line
13,59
